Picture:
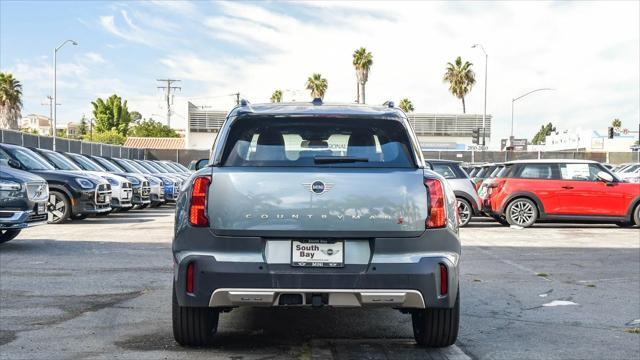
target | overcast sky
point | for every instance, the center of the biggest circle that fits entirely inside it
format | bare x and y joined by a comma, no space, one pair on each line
589,52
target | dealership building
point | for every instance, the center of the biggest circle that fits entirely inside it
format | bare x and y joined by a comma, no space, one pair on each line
434,131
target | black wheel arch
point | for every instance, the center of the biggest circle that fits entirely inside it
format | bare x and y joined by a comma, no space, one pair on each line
63,189
464,195
523,194
632,206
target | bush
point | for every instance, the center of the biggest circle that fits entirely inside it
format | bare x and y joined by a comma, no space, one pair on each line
107,137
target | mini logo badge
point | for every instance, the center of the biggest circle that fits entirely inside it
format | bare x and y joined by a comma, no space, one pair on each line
318,187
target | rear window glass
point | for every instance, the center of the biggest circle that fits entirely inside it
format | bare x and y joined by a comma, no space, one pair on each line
446,170
537,171
320,142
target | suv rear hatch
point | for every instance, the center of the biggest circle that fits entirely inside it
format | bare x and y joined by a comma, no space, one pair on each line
289,176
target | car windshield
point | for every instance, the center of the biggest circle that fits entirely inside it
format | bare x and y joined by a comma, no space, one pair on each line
155,166
318,142
137,165
179,166
29,159
109,165
631,168
60,161
86,163
172,166
128,167
165,166
149,168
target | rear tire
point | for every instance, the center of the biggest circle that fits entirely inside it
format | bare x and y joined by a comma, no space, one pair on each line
521,212
9,234
436,327
465,212
193,326
58,207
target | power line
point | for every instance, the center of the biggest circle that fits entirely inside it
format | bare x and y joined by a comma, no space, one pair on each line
168,96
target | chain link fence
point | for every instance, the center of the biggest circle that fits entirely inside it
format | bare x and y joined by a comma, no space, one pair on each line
68,145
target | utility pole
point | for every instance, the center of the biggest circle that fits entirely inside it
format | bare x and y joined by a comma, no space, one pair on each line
50,104
237,98
168,97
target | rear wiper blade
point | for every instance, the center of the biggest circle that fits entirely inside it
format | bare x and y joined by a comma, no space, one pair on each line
338,159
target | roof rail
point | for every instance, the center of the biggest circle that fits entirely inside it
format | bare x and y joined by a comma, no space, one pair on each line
388,104
244,102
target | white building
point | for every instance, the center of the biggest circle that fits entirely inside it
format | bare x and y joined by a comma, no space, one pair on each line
587,140
39,124
434,131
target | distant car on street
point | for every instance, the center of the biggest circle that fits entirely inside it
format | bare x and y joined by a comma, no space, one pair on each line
528,191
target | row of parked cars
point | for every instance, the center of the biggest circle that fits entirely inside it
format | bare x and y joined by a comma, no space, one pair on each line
39,186
524,192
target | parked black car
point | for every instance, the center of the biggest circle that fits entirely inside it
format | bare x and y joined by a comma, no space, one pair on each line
70,194
23,201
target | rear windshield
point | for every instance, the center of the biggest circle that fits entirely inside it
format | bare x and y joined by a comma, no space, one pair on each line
318,142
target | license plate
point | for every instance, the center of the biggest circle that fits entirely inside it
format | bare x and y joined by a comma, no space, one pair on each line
317,253
41,208
125,195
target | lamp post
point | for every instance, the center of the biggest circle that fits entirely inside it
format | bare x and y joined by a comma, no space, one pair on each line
55,60
484,114
520,97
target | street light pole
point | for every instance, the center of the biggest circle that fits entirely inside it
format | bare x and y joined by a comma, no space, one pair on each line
55,97
520,97
484,114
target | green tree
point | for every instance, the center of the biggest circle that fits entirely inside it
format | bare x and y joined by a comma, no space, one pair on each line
616,124
362,61
317,85
276,97
111,114
406,105
135,116
545,130
83,128
461,79
10,101
107,137
152,128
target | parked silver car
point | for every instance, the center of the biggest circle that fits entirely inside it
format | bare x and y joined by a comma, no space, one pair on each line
469,204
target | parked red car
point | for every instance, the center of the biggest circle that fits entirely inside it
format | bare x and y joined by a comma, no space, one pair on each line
527,191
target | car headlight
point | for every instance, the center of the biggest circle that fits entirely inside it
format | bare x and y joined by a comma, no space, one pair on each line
84,183
134,180
113,181
7,185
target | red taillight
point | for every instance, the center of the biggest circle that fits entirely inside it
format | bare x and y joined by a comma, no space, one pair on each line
444,280
437,214
198,207
189,282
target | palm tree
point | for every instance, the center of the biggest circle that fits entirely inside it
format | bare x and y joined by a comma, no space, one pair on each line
10,101
362,61
406,105
276,97
460,78
318,85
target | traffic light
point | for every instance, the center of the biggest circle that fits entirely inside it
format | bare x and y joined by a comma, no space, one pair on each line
475,138
610,132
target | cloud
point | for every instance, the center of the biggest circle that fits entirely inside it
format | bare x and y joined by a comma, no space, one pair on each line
95,58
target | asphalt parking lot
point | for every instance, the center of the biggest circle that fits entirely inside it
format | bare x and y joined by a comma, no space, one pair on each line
100,288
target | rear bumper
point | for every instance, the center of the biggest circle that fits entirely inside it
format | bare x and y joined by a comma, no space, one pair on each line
397,285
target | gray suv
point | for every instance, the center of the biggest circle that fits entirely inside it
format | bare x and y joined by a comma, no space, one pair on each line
314,205
469,204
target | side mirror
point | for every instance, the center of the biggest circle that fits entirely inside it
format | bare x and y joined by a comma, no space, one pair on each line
201,164
604,176
14,164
